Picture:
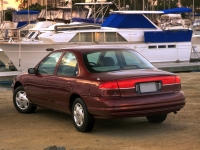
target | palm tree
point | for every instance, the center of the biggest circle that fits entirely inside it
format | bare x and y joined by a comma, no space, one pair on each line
23,3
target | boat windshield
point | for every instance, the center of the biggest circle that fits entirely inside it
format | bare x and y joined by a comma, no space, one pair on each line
173,19
115,60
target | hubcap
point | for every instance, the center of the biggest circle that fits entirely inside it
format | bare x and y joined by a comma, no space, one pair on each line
21,100
78,114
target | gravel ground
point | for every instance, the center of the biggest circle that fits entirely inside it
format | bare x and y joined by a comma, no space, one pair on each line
46,128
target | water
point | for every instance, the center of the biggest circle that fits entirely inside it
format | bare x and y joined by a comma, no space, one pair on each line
5,86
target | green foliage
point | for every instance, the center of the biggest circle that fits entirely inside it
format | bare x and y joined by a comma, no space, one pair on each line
36,6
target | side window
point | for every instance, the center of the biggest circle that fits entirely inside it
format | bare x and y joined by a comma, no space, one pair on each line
93,58
68,65
47,66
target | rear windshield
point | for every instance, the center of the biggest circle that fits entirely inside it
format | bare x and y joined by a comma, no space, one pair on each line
115,60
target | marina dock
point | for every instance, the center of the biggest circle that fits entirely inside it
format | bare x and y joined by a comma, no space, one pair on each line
179,67
7,76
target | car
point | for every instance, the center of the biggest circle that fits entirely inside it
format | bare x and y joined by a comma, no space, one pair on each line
104,82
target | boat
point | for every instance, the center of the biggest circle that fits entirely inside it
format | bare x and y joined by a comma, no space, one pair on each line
22,20
172,20
141,35
52,17
124,28
196,37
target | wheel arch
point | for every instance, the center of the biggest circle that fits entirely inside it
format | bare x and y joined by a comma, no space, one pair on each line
72,99
17,84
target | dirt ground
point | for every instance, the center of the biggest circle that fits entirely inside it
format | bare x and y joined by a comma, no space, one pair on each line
46,128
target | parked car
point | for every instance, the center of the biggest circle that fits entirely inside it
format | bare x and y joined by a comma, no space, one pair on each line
98,82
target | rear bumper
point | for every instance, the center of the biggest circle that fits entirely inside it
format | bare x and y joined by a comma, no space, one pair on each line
139,106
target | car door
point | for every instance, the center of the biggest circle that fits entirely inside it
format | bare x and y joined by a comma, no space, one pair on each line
37,86
63,83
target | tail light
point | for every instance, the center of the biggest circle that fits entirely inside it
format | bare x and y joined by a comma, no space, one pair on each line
177,79
130,83
113,88
109,85
109,89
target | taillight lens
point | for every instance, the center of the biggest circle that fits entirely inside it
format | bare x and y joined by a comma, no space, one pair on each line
177,79
109,85
130,83
109,89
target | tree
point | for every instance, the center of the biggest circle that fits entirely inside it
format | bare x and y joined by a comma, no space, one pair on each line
23,3
36,6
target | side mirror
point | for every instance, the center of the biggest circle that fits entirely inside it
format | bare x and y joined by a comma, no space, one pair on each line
31,71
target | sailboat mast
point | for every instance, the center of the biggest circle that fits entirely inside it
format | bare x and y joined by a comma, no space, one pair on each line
1,10
193,10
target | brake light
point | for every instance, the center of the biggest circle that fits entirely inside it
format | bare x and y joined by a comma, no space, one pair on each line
130,83
109,85
177,80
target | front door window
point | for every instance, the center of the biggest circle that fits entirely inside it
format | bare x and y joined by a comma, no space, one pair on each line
48,65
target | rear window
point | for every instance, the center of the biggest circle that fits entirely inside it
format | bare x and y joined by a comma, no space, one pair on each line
115,60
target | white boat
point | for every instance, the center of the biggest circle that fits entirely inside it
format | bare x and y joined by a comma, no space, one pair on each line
175,22
124,28
21,20
196,38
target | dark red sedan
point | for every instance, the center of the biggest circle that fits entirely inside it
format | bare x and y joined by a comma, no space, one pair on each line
98,82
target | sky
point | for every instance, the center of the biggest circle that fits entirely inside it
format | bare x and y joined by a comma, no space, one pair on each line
10,3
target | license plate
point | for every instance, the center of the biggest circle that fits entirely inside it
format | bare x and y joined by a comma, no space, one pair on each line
148,87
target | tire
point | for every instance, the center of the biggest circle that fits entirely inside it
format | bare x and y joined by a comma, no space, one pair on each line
83,121
21,102
157,118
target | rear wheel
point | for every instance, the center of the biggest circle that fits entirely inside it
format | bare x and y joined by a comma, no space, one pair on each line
157,118
82,119
21,102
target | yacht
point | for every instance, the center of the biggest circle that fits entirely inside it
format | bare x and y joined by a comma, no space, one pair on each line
131,29
120,28
172,20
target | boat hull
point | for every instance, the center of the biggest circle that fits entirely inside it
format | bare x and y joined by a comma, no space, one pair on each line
4,58
27,55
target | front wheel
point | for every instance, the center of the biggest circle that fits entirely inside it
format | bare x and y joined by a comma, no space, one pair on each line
21,102
157,118
82,119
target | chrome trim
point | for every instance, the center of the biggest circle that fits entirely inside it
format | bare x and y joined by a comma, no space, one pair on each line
170,84
109,89
126,88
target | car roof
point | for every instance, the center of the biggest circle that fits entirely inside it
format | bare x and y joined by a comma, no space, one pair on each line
92,48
